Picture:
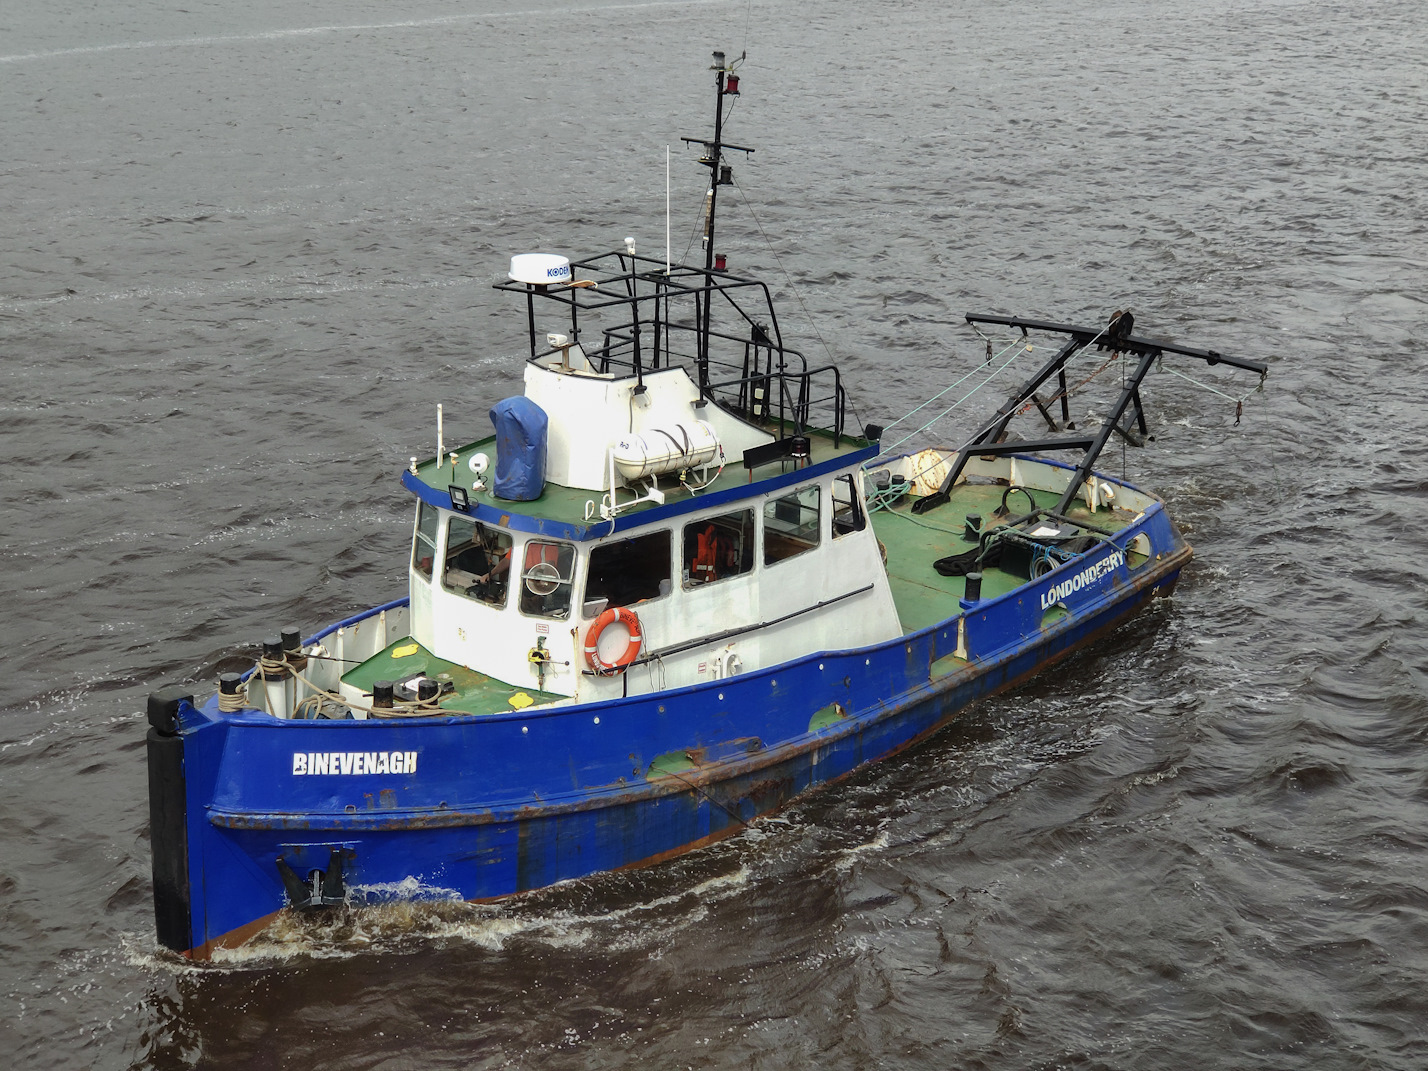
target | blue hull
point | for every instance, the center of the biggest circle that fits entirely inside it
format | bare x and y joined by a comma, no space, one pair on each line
480,808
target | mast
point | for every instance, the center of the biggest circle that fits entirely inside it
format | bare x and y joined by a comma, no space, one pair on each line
714,158
726,84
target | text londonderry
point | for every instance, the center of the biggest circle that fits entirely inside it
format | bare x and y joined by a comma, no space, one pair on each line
668,591
1085,577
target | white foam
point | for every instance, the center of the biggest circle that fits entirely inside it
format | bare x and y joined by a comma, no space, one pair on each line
410,914
848,856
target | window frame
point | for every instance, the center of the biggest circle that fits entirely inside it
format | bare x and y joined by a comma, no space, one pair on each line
617,544
771,505
855,503
568,582
424,510
749,551
499,534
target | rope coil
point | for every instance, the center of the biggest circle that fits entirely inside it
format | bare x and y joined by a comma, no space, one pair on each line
282,668
231,704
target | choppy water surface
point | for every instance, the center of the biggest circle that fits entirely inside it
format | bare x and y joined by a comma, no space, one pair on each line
248,247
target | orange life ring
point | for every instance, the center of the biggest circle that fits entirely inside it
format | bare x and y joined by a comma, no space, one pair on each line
631,621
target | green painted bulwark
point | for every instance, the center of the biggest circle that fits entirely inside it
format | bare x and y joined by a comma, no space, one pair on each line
947,664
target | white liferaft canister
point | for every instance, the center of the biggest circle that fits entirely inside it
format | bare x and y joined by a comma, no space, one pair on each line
661,450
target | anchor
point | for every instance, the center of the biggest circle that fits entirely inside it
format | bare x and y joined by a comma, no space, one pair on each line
323,888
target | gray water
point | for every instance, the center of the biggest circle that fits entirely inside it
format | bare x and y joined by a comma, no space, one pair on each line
248,248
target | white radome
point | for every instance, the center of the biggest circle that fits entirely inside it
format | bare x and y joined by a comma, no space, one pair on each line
540,269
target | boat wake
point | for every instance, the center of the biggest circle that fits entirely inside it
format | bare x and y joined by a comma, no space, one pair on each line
428,915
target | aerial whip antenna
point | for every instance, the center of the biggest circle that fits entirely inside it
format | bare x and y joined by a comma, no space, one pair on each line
720,174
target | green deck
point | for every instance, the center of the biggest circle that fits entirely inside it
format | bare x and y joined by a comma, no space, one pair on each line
476,693
924,596
560,503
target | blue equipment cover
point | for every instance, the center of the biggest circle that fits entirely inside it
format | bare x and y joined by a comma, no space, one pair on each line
520,449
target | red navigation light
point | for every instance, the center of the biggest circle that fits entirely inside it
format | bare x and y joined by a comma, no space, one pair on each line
719,261
731,88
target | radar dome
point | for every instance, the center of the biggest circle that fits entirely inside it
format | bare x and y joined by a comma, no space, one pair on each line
540,269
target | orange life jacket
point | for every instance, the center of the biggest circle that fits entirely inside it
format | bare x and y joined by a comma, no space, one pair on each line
706,560
542,552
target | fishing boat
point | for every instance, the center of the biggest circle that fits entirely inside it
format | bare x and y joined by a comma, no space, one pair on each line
671,591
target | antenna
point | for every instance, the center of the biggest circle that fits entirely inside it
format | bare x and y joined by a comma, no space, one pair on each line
720,174
666,209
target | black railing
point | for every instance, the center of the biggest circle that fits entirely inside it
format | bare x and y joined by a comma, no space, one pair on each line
736,358
785,400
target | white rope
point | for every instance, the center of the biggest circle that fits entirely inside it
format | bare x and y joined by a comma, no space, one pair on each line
1205,386
417,709
1081,352
956,383
991,376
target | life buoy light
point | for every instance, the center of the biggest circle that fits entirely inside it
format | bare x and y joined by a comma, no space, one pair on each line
631,621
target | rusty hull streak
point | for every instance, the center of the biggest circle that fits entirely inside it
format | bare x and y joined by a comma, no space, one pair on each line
702,777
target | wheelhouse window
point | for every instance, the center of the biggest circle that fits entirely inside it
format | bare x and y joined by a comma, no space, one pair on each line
478,561
629,571
546,579
790,524
716,548
848,514
424,543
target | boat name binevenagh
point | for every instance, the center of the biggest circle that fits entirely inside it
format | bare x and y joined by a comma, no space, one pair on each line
354,762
